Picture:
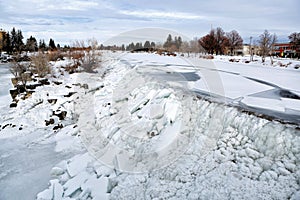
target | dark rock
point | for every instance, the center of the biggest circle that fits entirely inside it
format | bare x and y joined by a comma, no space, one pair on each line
44,81
52,101
13,105
59,126
62,115
85,86
33,86
50,121
70,94
5,126
21,88
68,86
20,128
57,82
13,93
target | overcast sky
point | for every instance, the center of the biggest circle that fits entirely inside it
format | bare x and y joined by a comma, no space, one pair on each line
67,20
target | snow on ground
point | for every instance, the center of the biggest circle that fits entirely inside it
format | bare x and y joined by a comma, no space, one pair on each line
150,135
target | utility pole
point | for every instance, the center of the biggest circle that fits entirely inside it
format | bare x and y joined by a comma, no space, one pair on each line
250,49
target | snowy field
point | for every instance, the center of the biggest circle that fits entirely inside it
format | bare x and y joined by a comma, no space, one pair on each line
155,127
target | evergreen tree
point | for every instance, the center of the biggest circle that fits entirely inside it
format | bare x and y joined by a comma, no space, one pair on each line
179,42
152,45
19,41
16,40
52,44
169,42
13,39
31,44
42,45
138,46
147,44
130,47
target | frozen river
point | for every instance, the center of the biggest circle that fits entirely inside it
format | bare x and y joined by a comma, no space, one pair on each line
5,84
25,161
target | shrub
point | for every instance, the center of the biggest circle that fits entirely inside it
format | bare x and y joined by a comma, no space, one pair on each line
207,56
20,72
55,55
40,64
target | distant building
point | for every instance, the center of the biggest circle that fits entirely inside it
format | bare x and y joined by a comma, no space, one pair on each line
245,50
287,50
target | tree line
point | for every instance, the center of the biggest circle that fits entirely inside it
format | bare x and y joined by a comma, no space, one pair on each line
12,42
139,45
219,42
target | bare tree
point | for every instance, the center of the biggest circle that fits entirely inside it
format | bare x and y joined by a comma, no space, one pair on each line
215,41
272,47
20,72
208,42
185,48
234,41
266,43
40,64
92,56
192,46
86,54
295,41
221,41
159,45
16,68
251,49
195,47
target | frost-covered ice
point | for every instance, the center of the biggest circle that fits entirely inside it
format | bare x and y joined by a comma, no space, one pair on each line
150,135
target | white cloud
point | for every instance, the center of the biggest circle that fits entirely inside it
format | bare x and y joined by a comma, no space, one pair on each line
152,14
69,5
